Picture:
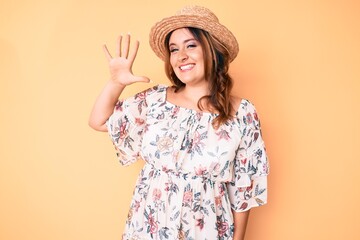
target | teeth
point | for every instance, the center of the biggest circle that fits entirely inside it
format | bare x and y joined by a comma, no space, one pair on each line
187,67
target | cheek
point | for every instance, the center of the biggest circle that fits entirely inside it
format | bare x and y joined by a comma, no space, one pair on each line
172,62
200,56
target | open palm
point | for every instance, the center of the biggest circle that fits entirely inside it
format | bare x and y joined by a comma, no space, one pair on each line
120,65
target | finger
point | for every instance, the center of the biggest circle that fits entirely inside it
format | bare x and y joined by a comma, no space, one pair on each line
125,46
118,46
132,54
107,53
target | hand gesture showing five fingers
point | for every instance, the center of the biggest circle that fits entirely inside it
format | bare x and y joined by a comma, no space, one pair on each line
120,65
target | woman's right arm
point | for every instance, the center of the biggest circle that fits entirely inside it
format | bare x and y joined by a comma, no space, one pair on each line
104,105
121,75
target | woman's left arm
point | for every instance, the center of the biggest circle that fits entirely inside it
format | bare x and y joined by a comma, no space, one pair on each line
240,223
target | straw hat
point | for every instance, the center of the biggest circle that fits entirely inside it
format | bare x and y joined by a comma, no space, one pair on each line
192,16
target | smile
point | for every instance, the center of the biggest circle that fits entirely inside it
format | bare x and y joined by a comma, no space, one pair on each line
187,67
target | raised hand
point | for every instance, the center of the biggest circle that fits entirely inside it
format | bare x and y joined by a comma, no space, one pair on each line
120,65
121,75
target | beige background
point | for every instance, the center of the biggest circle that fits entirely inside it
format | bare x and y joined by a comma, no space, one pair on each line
299,63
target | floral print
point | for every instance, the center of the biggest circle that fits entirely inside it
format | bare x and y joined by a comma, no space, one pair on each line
194,175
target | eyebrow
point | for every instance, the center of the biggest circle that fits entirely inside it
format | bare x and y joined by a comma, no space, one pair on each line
187,40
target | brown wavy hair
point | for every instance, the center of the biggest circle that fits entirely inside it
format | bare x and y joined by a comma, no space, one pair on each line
216,58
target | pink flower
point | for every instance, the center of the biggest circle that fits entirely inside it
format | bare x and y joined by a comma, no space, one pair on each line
196,138
188,195
167,187
256,116
175,111
175,156
164,168
244,205
156,194
141,95
139,121
221,190
153,224
136,206
222,228
218,201
265,168
199,115
223,134
199,171
118,106
122,129
249,118
243,161
200,223
249,188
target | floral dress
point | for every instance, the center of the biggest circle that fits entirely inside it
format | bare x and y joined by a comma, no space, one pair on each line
194,175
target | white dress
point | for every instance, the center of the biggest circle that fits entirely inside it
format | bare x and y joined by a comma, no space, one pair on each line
194,174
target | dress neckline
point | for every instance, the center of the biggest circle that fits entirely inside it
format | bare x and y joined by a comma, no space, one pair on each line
191,110
196,111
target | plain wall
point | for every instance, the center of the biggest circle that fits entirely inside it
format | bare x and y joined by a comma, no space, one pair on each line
299,63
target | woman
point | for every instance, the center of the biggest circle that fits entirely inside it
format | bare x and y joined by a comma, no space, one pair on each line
205,160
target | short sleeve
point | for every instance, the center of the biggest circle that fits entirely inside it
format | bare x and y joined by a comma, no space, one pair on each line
248,187
127,124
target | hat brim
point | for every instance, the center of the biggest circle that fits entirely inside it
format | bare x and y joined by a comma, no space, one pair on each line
161,29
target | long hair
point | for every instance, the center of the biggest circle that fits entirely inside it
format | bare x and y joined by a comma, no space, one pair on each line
216,58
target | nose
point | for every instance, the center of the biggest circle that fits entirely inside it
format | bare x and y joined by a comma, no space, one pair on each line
182,56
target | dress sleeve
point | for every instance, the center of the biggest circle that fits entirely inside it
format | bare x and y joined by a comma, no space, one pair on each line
248,187
127,124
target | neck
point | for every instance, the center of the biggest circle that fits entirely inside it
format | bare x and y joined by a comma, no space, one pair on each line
193,93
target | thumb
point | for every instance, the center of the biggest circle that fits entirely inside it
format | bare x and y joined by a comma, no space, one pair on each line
142,79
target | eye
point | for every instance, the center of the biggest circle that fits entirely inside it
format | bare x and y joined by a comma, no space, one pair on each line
192,45
172,50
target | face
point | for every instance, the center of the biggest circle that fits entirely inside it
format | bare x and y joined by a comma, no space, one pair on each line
186,57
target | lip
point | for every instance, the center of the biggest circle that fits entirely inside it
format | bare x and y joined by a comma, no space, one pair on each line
187,67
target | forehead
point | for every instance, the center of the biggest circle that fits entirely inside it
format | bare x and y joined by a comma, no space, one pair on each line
180,35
